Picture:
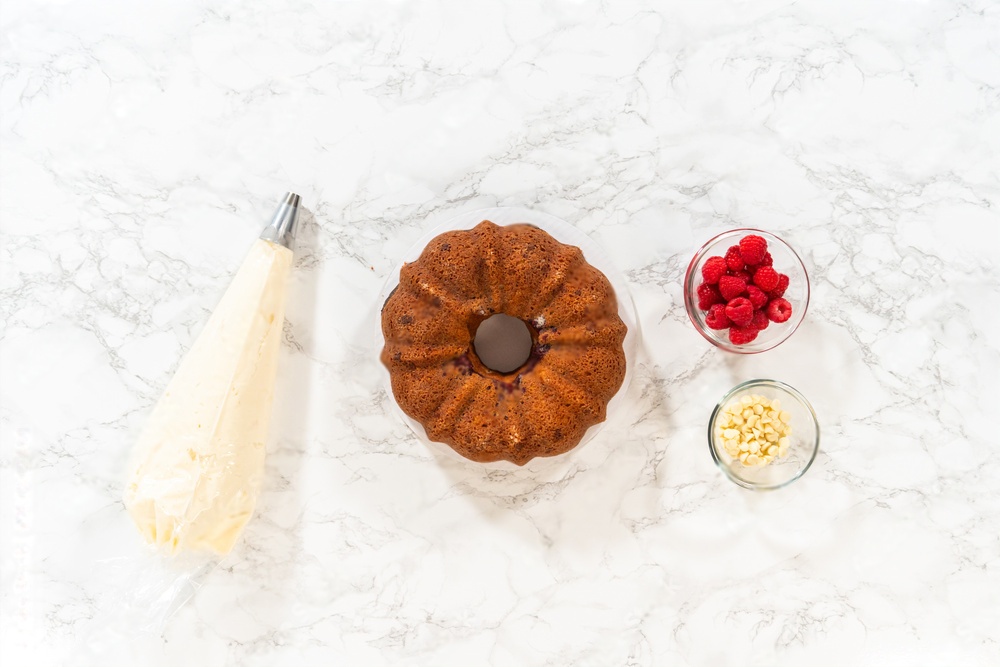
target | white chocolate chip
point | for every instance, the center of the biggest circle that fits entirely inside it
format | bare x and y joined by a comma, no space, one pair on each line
754,429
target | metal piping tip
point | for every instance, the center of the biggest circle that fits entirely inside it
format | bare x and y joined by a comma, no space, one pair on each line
281,229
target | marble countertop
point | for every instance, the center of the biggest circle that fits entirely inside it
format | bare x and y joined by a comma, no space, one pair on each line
144,146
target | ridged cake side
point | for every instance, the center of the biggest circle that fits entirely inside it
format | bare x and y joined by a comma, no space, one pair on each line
576,365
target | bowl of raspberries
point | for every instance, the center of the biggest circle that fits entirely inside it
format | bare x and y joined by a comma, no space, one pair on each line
746,291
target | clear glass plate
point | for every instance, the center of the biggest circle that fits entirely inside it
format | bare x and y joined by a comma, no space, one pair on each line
563,232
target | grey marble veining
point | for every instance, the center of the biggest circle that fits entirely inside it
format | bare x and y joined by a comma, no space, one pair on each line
143,148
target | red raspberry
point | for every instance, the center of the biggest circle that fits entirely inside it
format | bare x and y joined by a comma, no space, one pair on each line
742,335
713,269
782,285
759,320
757,297
742,274
708,296
734,260
765,278
767,261
740,311
753,248
731,287
778,310
716,318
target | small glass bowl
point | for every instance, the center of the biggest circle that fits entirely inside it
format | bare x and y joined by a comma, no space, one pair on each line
786,261
803,441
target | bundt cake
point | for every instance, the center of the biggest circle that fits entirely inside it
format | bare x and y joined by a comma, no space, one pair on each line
576,363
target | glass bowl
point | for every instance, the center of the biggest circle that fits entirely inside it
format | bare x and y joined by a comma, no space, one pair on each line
786,261
563,232
803,442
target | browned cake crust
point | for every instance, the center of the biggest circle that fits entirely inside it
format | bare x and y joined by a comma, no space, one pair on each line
576,365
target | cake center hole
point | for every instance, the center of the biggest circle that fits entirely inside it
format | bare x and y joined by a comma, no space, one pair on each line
503,343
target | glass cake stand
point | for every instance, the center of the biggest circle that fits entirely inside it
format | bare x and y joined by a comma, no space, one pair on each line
563,232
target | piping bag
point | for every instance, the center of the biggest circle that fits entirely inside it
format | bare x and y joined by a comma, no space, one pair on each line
200,459
198,464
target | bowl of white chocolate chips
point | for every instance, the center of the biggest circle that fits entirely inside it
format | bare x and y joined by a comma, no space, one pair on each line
763,434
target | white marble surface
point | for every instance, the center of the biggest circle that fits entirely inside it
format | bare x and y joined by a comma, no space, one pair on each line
144,146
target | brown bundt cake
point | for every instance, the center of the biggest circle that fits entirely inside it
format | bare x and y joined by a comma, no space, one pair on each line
576,363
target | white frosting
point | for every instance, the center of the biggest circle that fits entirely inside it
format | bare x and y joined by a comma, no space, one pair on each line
200,458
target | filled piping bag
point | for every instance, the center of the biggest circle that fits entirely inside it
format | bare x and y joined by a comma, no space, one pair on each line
199,462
